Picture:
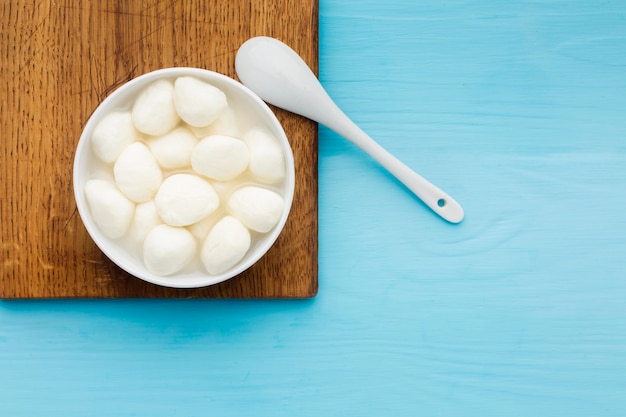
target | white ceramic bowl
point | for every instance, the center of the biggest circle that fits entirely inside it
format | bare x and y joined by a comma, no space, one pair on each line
241,99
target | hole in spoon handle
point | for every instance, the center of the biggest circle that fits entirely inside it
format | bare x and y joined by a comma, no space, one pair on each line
438,201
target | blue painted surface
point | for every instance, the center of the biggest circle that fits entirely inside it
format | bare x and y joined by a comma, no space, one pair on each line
518,110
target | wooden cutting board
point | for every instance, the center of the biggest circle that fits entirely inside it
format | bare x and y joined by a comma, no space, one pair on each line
58,60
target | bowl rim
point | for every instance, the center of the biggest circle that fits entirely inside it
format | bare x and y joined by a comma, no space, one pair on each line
111,249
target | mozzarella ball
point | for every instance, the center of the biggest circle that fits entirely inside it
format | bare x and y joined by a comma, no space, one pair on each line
137,173
153,112
168,249
198,103
267,162
257,208
223,188
184,199
225,124
219,157
173,150
111,210
144,220
112,135
226,244
201,229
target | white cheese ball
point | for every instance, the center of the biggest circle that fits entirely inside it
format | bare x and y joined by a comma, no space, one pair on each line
113,133
137,173
257,208
220,157
184,199
267,162
111,210
226,245
225,124
198,103
173,150
201,229
153,112
145,219
167,249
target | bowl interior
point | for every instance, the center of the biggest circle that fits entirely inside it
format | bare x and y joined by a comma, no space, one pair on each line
246,103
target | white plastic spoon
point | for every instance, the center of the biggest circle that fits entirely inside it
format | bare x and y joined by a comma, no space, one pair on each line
278,75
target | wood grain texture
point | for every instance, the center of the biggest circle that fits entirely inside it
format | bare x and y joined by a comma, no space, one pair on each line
58,60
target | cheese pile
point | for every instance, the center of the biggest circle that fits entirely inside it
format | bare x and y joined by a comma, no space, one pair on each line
184,182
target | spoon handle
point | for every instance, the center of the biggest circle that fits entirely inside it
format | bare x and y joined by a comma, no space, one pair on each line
278,75
435,198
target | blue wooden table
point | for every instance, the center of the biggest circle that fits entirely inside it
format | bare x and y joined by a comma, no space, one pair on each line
515,108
